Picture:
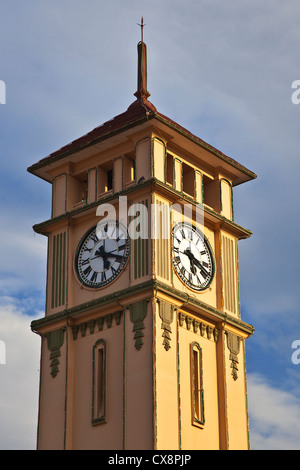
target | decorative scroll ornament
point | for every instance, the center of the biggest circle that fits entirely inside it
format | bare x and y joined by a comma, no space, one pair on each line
166,313
233,344
55,341
138,312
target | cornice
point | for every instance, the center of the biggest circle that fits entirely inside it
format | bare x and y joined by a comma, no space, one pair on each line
210,215
152,288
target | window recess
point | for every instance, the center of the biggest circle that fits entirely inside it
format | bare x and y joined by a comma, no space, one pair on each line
169,171
99,382
188,180
105,178
197,392
129,169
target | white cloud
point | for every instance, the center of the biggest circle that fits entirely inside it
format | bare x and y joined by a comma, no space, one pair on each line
274,416
19,379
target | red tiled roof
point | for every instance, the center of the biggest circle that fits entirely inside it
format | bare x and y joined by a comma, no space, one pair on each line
139,111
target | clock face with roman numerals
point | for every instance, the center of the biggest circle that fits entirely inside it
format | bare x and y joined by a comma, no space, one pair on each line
192,257
102,254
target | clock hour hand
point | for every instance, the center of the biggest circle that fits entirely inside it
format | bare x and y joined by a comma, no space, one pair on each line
202,269
108,254
101,252
196,262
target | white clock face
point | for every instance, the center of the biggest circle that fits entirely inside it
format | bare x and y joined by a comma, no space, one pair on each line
102,254
192,257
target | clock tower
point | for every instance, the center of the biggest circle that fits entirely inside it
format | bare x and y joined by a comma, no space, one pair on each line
142,342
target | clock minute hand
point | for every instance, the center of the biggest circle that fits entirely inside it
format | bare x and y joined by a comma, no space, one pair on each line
115,255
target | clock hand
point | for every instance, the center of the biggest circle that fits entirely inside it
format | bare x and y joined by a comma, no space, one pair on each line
196,262
105,255
101,252
202,269
115,255
193,269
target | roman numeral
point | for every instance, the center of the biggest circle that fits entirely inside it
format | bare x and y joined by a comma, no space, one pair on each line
94,276
84,262
113,270
118,258
87,271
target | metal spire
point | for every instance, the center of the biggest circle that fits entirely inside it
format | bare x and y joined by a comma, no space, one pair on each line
142,25
142,92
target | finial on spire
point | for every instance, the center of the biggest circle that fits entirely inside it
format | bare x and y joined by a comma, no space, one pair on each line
142,92
142,25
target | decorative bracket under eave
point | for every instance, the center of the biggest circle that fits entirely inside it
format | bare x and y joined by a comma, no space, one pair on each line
55,340
138,312
233,344
166,313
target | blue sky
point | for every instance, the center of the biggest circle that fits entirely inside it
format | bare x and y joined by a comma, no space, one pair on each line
223,70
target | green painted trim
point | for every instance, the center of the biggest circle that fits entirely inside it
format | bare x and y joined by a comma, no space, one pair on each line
140,252
238,278
53,270
123,294
165,167
58,291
